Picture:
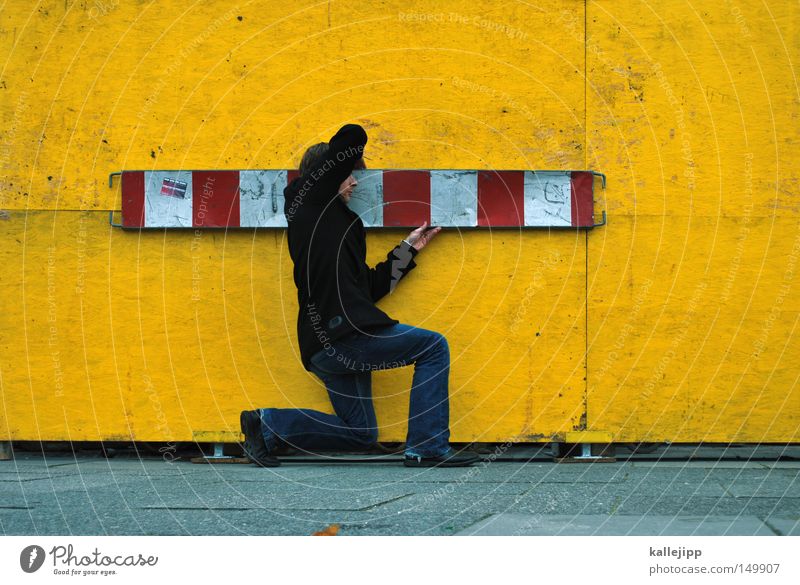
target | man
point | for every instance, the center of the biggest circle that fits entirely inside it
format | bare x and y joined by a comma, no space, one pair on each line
342,335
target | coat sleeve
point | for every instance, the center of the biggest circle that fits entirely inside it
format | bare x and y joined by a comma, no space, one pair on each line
385,276
321,183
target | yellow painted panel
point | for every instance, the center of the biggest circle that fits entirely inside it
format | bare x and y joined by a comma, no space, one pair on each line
692,284
692,316
95,87
689,344
167,336
693,107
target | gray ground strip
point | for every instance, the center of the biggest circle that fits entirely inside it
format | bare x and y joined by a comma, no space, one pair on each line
601,525
744,494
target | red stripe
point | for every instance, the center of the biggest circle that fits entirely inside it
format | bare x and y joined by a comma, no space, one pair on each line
582,198
133,199
215,197
406,198
501,198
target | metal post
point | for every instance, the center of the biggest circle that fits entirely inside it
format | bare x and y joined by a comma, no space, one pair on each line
218,447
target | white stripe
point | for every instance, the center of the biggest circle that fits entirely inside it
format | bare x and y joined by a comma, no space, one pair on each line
367,198
548,198
163,210
261,198
454,198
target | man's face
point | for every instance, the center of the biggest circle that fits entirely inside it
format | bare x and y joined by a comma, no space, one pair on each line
346,188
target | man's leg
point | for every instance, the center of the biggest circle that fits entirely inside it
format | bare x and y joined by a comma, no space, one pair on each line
352,427
397,346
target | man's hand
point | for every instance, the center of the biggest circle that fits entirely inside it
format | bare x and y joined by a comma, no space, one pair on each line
420,237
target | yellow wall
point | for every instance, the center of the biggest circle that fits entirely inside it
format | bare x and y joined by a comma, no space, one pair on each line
693,293
167,336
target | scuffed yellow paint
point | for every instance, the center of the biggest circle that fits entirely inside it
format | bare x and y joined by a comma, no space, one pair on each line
161,335
689,297
692,286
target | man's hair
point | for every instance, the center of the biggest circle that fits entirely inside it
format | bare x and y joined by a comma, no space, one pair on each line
316,154
313,156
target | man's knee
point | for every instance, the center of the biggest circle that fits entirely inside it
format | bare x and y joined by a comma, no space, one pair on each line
438,343
367,437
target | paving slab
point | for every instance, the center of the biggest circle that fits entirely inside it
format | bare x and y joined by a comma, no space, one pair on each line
574,499
782,464
243,497
617,525
85,494
784,525
700,464
703,505
237,522
771,485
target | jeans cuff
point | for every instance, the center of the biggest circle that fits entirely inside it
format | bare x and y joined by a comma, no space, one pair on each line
426,454
270,438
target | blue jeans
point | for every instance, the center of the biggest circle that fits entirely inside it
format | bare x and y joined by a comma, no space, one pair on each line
346,366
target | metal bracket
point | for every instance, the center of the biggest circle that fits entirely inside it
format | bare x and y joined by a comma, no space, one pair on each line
111,220
217,452
602,177
111,178
602,222
586,452
603,183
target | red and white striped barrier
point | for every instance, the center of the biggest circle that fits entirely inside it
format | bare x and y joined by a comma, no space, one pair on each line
383,198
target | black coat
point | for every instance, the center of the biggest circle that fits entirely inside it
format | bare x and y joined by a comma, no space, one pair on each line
336,290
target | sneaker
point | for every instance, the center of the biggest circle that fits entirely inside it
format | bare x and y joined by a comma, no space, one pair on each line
451,459
254,448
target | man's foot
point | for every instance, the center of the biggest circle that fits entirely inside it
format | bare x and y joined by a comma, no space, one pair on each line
254,448
451,459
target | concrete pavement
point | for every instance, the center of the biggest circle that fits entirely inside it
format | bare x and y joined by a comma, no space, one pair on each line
673,491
